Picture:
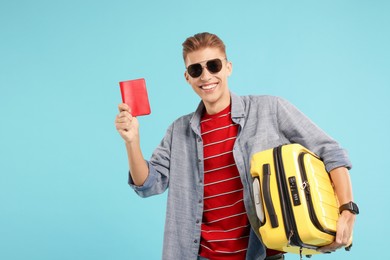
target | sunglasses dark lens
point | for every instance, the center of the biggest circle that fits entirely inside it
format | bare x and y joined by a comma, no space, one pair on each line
195,70
214,66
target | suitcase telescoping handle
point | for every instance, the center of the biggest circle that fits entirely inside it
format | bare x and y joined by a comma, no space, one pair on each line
267,196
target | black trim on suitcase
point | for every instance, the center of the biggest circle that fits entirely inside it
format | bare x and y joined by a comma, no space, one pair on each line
310,207
267,196
287,209
289,223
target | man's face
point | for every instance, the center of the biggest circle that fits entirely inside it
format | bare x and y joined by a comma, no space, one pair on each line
212,88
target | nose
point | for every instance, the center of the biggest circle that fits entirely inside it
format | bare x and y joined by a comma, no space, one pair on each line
206,75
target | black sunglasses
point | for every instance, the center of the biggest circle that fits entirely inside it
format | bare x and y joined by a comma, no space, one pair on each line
213,66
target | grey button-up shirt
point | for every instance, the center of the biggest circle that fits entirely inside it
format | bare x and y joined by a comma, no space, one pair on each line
177,163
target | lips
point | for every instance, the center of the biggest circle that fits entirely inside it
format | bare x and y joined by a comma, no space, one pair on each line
209,86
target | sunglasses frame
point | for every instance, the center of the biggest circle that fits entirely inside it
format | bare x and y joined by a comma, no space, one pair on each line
207,66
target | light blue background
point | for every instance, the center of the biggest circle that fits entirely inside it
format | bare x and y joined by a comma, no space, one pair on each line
63,167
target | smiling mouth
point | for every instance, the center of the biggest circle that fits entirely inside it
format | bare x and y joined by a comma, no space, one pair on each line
209,86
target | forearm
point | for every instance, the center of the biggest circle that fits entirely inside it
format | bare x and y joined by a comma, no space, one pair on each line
345,223
342,184
138,168
343,188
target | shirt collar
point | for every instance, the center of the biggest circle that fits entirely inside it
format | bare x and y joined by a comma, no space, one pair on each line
238,111
238,106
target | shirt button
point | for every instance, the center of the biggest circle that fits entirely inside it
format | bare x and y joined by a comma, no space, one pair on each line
197,221
199,160
195,241
200,201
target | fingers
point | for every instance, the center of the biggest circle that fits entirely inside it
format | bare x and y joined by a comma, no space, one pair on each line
344,233
123,119
343,237
329,248
124,107
126,124
124,114
340,241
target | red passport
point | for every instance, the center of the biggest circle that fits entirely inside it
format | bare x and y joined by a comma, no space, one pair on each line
134,94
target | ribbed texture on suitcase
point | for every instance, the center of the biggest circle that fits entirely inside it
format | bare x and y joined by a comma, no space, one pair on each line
302,196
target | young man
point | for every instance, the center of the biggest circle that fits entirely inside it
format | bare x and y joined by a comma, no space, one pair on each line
204,161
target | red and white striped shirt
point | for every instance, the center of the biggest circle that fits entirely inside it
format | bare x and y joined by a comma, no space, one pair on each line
225,226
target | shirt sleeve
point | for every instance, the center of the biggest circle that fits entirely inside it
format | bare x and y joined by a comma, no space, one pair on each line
298,128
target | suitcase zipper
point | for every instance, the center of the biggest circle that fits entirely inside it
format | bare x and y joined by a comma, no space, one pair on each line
306,188
287,209
288,219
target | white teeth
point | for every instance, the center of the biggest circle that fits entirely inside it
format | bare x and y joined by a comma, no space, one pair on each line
209,86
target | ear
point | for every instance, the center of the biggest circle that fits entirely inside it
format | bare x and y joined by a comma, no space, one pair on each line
187,77
229,67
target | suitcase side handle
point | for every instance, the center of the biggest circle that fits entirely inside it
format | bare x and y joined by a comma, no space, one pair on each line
267,196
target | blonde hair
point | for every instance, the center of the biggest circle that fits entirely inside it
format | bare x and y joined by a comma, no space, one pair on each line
200,41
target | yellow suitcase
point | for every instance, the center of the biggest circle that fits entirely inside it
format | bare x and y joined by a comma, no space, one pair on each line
295,199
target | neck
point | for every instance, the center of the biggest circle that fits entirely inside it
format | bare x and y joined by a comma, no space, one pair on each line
214,108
